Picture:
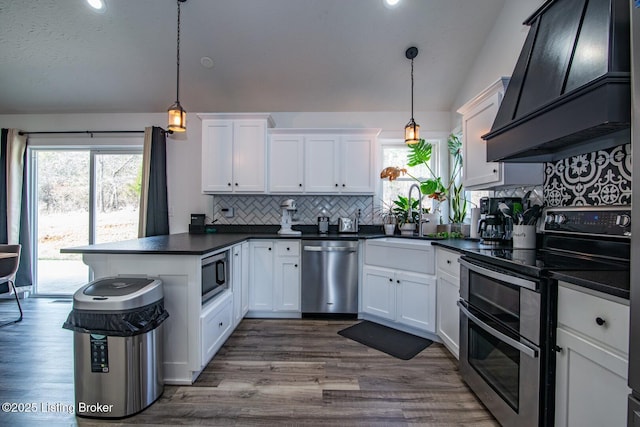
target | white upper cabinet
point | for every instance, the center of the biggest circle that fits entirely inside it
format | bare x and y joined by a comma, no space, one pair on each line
321,169
234,152
356,165
477,118
325,161
286,164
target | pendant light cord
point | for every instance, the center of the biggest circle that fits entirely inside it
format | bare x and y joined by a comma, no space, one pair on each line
178,58
412,89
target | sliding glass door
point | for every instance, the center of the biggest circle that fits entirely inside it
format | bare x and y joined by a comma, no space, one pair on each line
79,197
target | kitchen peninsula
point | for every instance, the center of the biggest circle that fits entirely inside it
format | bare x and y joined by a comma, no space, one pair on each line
194,331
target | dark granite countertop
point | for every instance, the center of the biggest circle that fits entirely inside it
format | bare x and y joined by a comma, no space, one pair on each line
609,282
222,237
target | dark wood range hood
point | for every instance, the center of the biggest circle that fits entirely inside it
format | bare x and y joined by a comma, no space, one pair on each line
570,92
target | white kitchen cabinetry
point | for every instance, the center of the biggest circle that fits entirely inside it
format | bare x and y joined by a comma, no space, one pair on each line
286,276
286,164
592,361
339,163
234,153
448,294
261,275
477,118
325,161
216,324
274,284
399,288
240,281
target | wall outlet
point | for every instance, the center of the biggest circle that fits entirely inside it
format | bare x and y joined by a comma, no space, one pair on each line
227,212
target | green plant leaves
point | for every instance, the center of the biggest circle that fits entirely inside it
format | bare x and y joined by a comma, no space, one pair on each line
419,154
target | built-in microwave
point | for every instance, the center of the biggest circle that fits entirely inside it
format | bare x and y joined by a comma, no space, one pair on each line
215,277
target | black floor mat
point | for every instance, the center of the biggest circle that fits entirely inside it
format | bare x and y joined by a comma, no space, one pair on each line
395,343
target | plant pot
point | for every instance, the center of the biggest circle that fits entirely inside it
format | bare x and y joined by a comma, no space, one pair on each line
389,229
407,229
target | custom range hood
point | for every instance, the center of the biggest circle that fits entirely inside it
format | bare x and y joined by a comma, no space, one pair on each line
570,91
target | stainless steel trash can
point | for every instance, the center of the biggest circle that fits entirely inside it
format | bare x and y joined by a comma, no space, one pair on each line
118,342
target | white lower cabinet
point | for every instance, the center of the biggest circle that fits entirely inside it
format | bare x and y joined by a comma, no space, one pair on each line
405,298
240,281
274,278
592,361
448,294
216,324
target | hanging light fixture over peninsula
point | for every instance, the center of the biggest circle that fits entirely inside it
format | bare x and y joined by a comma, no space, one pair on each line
177,115
411,130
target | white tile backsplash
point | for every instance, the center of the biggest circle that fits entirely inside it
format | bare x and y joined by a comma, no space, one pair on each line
265,209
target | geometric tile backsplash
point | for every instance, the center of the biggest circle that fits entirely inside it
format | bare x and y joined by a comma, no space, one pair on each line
259,209
598,178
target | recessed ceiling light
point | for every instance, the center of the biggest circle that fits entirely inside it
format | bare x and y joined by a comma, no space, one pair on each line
206,62
391,3
98,5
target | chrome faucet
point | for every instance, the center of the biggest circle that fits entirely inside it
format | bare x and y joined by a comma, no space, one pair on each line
419,207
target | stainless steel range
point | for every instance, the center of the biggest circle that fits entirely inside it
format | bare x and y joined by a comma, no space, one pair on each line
508,308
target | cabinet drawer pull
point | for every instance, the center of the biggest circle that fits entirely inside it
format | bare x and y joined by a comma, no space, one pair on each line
600,321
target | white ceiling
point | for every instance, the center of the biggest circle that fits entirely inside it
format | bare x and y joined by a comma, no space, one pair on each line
269,55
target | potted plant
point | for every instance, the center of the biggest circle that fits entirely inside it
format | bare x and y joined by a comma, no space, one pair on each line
434,188
389,219
407,222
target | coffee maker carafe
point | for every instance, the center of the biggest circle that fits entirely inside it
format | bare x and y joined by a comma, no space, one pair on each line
491,228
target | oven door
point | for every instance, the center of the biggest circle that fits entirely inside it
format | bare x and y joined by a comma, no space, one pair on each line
508,298
502,369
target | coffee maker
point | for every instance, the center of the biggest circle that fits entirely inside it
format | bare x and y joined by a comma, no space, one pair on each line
494,226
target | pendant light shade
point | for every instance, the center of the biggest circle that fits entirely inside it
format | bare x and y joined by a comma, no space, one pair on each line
411,130
177,115
177,118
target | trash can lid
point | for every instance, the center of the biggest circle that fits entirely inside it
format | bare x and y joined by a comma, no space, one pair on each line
116,286
118,293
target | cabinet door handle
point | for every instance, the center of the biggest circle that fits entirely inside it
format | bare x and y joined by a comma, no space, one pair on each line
448,261
236,184
288,249
299,185
344,185
336,185
391,280
220,325
295,265
398,281
600,321
269,248
229,184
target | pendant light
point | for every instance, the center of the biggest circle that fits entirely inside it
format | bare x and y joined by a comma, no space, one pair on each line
177,115
411,130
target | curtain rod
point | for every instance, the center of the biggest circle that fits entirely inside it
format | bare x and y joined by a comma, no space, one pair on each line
88,132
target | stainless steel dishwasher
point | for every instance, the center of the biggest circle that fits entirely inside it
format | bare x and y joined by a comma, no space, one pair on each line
329,277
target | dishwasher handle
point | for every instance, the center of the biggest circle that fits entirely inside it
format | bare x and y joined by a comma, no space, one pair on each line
329,248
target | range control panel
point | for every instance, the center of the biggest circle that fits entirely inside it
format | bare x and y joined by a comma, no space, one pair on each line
612,221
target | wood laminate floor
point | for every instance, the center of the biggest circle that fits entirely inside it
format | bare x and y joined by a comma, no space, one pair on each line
269,372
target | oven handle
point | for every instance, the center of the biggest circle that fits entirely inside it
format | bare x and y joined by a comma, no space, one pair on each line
502,337
512,280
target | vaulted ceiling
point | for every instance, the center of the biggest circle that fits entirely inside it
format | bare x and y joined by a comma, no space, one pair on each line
268,55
